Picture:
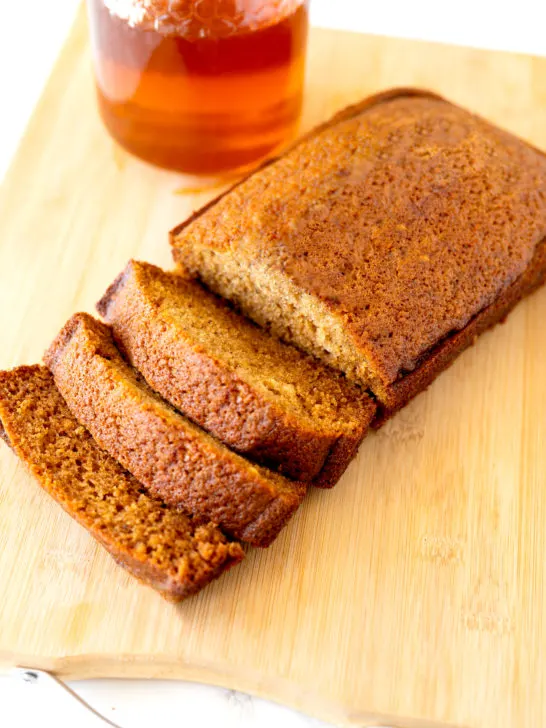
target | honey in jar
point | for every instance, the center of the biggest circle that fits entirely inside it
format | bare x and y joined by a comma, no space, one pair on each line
199,86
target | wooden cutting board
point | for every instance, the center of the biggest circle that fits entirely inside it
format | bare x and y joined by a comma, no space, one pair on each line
412,594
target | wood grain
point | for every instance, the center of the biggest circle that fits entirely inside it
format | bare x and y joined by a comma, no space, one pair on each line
414,593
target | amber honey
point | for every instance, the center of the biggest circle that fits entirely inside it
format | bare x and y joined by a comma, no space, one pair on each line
209,87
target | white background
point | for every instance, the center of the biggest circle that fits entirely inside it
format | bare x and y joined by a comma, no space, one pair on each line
31,35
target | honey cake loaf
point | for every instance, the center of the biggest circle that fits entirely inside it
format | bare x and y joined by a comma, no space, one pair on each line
260,396
383,241
158,545
171,456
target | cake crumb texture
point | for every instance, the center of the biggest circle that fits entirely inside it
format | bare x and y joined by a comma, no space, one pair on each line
175,459
159,545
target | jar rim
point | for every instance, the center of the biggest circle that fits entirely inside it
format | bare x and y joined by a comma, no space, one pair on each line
202,18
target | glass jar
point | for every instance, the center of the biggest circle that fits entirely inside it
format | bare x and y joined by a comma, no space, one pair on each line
199,86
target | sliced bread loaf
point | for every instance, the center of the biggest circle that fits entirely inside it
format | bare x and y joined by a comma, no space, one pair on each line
260,396
379,237
174,458
159,545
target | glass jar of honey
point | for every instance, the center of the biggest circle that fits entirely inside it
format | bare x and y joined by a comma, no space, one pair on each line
199,86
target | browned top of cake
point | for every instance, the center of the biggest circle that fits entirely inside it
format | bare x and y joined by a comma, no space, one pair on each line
157,544
405,221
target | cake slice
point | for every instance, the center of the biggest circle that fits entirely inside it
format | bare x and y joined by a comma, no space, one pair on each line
261,397
383,242
168,454
159,545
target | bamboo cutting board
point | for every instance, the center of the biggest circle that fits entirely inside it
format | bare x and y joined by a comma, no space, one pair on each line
412,594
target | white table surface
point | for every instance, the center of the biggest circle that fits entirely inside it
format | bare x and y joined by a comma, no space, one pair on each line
31,35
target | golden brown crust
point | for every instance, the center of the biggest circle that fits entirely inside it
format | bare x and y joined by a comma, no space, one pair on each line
222,377
348,112
160,546
404,218
400,393
339,458
172,457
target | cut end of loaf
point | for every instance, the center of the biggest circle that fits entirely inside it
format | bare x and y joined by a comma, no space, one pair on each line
273,302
